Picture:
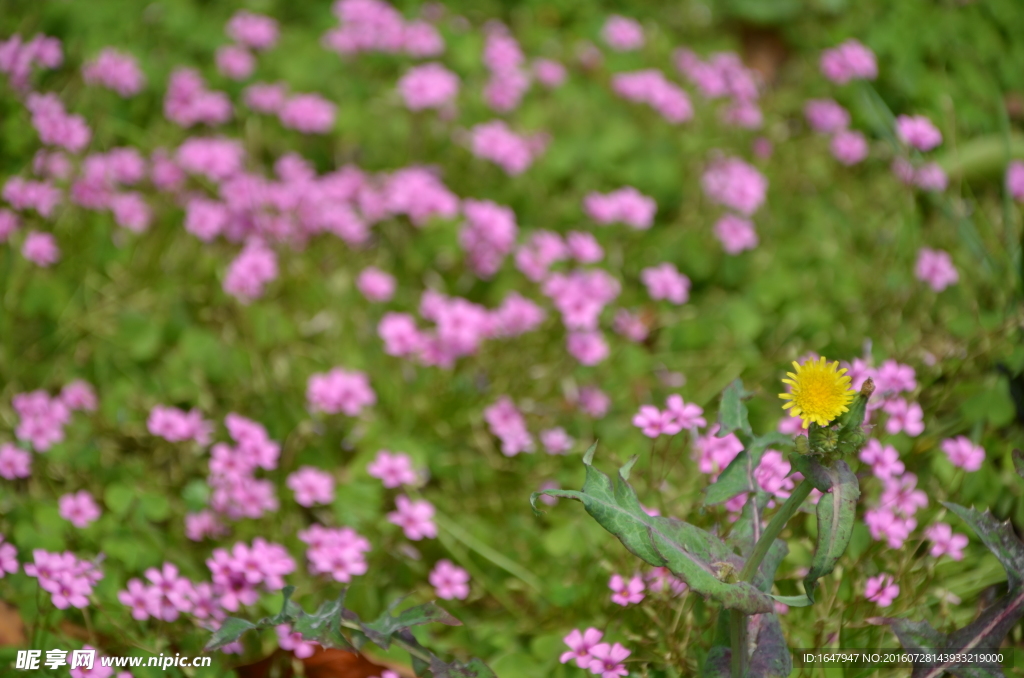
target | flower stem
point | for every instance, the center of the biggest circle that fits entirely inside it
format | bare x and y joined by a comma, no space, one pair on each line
774,529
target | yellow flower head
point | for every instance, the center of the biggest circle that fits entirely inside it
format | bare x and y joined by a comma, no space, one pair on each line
820,393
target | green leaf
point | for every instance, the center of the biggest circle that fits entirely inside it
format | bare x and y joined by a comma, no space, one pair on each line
689,552
732,415
230,631
794,601
324,625
999,538
118,498
985,633
837,512
155,507
381,629
738,476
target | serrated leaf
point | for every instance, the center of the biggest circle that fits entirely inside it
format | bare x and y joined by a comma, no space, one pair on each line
771,657
985,633
836,512
999,538
738,476
381,629
685,549
324,625
732,414
230,631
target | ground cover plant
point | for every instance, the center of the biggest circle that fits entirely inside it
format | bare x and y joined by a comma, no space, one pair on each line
311,312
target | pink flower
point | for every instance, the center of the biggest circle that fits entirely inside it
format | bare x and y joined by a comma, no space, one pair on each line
1015,180
623,592
651,87
55,126
338,552
116,71
715,453
629,325
449,581
903,416
400,335
736,233
215,158
393,470
506,422
623,34
41,419
340,390
881,590
885,461
826,116
935,267
235,62
593,402
428,86
421,39
494,141
79,508
199,526
311,486
849,61
666,282
902,496
188,102
40,248
252,30
849,147
308,113
652,421
735,184
588,347
177,426
918,132
963,453
626,205
556,440
931,177
488,235
293,640
414,517
580,645
944,542
375,284
686,415
885,524
14,462
549,73
265,97
606,660
9,223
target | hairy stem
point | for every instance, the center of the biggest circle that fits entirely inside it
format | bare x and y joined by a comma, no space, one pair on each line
774,529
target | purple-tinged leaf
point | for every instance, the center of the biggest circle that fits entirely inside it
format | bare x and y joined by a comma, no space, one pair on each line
771,657
732,414
836,512
999,537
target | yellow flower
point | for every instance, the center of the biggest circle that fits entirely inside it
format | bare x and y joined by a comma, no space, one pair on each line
820,393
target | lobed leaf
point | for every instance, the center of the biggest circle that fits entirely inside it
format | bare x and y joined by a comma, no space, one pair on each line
689,552
230,631
381,630
836,512
999,538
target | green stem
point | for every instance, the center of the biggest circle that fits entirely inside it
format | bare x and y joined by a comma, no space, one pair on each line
774,529
738,637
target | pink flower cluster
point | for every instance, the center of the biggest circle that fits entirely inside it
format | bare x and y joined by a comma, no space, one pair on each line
14,462
23,194
918,132
1015,180
311,486
496,142
736,185
167,595
41,419
238,574
249,272
340,390
736,233
893,519
540,251
622,33
255,31
67,579
293,640
677,416
55,126
308,113
504,59
666,282
236,492
376,26
415,517
826,116
188,102
428,86
602,659
944,542
714,453
507,424
661,580
337,552
450,581
849,61
963,453
17,58
549,73
177,426
936,268
724,75
393,470
651,87
116,71
78,508
488,235
556,440
625,205
884,460
581,295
